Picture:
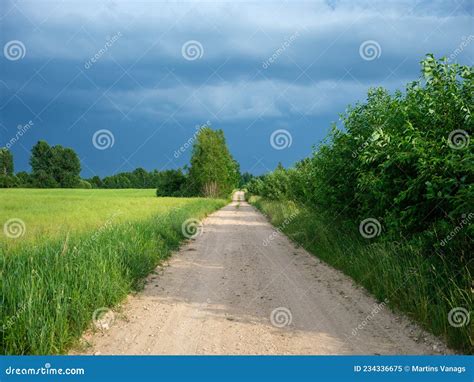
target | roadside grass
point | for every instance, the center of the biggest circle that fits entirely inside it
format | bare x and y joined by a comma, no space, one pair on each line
52,286
425,289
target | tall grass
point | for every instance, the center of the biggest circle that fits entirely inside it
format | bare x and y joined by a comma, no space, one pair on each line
52,287
426,289
51,213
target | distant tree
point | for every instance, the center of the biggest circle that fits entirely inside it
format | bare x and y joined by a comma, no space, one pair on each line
121,180
54,166
24,179
41,157
43,179
139,178
41,162
95,182
245,178
7,179
66,167
6,162
171,183
213,171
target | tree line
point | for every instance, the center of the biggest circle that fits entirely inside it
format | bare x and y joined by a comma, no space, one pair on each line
213,172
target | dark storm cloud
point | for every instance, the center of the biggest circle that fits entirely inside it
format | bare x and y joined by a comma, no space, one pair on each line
263,66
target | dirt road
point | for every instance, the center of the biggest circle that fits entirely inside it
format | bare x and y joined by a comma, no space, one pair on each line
225,292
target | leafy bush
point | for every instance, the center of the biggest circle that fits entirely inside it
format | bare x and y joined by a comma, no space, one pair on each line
84,184
403,159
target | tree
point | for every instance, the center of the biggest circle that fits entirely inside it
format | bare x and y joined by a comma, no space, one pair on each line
213,171
41,166
245,178
171,183
140,177
7,179
54,166
95,181
66,167
24,179
6,162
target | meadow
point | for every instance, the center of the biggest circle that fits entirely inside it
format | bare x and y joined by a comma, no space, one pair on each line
53,213
74,252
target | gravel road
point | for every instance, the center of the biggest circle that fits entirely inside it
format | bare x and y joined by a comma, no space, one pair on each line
225,292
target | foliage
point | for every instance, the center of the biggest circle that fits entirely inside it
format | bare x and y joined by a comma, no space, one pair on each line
245,178
171,183
6,162
395,162
54,166
7,179
213,171
24,179
84,184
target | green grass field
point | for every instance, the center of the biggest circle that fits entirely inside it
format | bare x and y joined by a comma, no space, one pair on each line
79,251
53,213
424,289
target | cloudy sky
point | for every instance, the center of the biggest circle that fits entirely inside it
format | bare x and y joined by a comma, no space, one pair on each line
125,83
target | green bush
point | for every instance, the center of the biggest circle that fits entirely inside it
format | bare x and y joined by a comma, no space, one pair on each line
403,159
84,184
405,162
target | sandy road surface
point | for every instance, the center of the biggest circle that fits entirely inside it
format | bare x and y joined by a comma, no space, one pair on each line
217,295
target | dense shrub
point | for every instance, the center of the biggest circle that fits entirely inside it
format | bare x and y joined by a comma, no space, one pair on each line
406,161
171,183
84,184
403,159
